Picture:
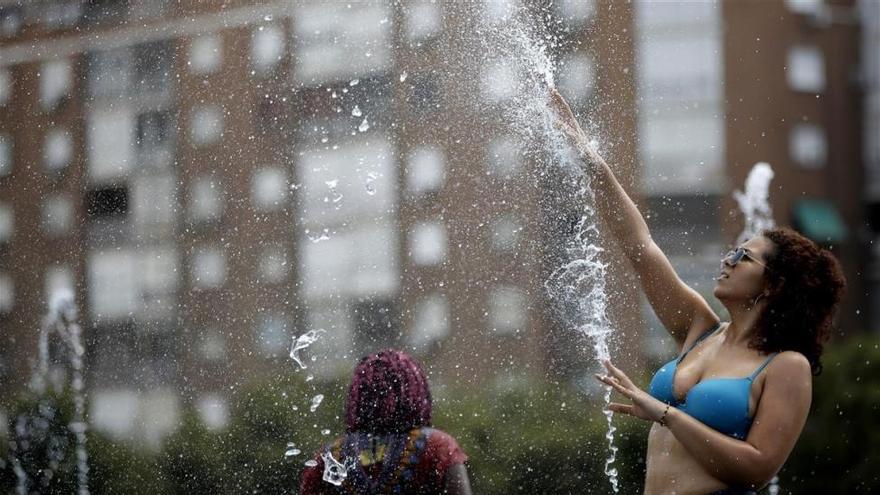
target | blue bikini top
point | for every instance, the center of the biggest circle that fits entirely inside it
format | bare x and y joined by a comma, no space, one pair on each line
721,403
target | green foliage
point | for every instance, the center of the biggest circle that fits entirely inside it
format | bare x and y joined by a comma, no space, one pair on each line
539,438
838,447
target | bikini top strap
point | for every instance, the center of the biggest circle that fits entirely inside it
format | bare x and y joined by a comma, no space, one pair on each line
700,339
763,365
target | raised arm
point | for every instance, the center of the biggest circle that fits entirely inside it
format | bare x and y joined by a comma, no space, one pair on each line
681,309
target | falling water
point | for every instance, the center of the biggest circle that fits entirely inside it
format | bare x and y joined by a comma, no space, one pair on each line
61,320
754,202
578,286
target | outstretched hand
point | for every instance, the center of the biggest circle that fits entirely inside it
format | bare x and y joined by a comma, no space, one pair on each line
643,406
568,124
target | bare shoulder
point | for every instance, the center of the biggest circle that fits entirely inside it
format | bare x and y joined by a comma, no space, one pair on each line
789,368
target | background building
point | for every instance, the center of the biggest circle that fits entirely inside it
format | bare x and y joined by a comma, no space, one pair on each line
214,181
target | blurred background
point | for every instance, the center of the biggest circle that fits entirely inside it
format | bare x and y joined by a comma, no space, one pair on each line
213,179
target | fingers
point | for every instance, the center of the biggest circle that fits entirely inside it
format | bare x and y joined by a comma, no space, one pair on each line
615,372
615,384
621,408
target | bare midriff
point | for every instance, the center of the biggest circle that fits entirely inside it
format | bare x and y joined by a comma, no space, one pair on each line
672,470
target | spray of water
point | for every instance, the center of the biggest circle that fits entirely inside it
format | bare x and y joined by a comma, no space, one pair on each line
60,321
754,201
303,342
578,285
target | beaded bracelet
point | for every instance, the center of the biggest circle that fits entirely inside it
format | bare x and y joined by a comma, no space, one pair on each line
662,419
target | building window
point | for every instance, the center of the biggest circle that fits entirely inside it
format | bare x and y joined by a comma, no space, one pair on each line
7,223
154,65
205,53
107,202
499,81
110,144
267,48
7,293
5,155
214,411
109,73
505,232
505,157
337,41
805,7
57,149
273,264
58,215
806,69
55,82
269,188
212,345
808,146
507,310
499,11
426,170
430,320
5,86
155,133
59,280
113,284
207,125
206,199
423,20
428,243
153,200
209,268
10,20
577,76
575,12
273,335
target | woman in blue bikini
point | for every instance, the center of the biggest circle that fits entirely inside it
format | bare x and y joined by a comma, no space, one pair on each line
729,409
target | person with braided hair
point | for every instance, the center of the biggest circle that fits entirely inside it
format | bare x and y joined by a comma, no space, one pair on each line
728,410
389,445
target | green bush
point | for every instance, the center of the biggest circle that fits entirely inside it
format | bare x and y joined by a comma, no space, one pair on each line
540,438
837,447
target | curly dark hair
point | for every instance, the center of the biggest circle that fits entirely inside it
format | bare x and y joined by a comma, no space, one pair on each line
806,284
389,394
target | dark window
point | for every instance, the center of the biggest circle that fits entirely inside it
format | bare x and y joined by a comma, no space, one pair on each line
10,21
153,64
374,324
107,202
153,130
105,11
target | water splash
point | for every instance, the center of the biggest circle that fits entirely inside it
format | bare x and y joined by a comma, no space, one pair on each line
365,126
356,111
316,401
303,342
754,202
521,47
292,451
60,321
335,472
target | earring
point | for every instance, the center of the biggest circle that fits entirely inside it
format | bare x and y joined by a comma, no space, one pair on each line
755,303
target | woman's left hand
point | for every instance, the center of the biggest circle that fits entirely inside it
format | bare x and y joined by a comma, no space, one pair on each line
643,405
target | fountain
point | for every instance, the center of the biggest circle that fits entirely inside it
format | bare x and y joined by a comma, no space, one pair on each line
41,442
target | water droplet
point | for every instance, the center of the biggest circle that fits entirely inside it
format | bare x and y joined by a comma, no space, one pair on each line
354,82
365,126
316,401
403,76
356,111
311,463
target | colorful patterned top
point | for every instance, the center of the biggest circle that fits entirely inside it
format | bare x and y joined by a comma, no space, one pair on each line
407,463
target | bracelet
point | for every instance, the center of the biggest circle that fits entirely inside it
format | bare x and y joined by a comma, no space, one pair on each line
662,419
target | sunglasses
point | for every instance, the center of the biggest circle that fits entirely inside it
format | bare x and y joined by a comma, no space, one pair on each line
735,256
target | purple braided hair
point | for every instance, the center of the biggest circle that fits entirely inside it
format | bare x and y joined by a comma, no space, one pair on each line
389,393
